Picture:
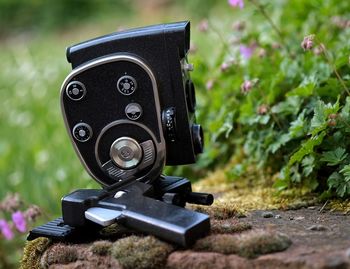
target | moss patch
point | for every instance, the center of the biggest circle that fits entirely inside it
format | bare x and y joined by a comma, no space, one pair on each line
221,243
340,205
250,244
259,242
33,252
135,252
101,248
229,226
59,254
116,231
254,191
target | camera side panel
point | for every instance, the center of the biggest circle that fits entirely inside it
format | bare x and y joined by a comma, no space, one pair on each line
108,99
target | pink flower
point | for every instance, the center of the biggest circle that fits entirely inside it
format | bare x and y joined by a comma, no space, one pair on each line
6,230
246,52
32,213
203,26
308,42
236,3
19,221
263,109
246,86
210,84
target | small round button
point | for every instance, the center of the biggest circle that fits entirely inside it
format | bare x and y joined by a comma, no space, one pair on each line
126,153
82,132
133,111
126,85
75,90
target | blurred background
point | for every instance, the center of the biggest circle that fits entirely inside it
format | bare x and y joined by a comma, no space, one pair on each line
230,45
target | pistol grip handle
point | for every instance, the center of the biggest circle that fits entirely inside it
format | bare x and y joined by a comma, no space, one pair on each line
169,222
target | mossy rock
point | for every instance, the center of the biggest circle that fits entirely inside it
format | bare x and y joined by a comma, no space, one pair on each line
59,254
33,252
249,244
101,248
136,252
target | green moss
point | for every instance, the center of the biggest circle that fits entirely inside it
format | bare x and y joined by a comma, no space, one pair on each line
116,231
101,248
250,244
239,197
342,205
59,254
33,252
136,252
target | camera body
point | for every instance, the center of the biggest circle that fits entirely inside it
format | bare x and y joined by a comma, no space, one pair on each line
128,106
129,103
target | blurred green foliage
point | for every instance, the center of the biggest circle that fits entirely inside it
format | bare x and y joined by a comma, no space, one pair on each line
293,119
45,15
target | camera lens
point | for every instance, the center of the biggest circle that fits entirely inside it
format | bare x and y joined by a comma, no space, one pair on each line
190,96
198,138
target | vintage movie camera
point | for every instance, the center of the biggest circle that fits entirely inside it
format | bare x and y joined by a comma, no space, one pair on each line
129,109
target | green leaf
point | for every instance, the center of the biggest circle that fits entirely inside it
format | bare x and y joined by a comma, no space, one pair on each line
306,148
290,106
281,141
345,112
226,128
334,180
318,121
342,60
346,172
334,157
294,174
340,183
298,127
305,90
321,113
281,184
308,164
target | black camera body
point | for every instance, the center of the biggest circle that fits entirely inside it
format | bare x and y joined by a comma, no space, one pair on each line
133,86
129,109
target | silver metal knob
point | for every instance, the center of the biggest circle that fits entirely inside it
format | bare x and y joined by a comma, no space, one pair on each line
126,152
188,67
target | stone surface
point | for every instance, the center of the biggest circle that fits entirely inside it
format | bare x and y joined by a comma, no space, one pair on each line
249,242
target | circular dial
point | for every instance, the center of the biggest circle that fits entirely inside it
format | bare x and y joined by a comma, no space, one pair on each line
126,152
133,111
82,132
75,90
126,85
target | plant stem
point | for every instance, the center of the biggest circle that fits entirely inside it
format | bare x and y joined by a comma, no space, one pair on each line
331,63
263,12
217,32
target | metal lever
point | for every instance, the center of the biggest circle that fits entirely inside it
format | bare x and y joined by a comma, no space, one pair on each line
200,198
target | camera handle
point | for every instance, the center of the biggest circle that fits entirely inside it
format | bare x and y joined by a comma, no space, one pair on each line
137,205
